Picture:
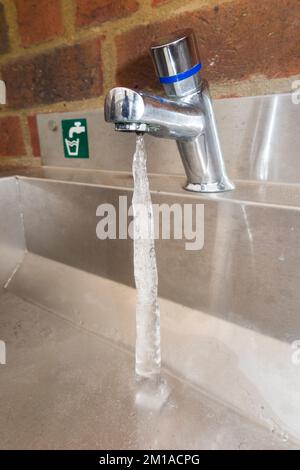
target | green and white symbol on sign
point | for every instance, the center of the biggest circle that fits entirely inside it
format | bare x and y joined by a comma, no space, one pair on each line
75,137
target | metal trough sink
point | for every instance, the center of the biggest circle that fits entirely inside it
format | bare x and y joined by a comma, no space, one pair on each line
230,315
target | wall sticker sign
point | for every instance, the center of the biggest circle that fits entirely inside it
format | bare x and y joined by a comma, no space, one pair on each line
75,137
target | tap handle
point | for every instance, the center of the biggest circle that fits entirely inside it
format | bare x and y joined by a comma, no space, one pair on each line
176,58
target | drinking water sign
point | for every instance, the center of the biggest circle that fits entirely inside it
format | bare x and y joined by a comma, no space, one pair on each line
75,137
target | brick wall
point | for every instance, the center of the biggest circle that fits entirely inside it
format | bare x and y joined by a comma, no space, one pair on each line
64,55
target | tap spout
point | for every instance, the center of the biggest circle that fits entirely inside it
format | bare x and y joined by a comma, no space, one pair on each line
137,111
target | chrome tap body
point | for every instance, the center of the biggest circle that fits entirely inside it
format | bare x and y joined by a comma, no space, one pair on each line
186,115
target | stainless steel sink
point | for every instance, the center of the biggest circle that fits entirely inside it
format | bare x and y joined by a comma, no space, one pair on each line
230,314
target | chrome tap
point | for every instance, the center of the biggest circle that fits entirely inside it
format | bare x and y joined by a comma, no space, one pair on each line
186,115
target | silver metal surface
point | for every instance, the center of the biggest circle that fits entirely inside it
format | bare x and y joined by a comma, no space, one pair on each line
161,117
173,56
260,141
12,241
244,230
230,313
67,388
188,118
190,122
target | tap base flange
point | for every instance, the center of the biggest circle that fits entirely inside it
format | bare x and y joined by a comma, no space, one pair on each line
216,187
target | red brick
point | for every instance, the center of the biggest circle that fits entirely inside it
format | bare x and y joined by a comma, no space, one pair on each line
4,43
236,40
156,3
39,20
66,73
11,142
34,135
98,11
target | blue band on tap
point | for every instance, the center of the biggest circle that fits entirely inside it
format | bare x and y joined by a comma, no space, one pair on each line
181,76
